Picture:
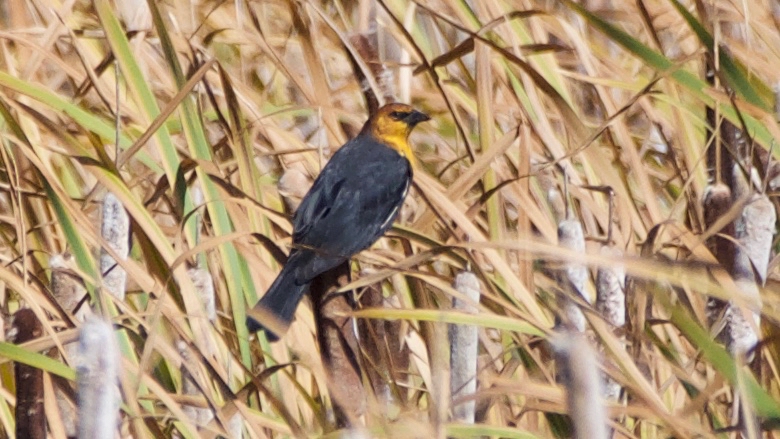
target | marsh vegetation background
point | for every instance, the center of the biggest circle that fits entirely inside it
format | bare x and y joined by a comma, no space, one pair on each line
610,165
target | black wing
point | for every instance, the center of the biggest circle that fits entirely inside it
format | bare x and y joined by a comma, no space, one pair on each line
352,203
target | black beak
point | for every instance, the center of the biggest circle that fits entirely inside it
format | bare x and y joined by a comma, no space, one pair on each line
416,117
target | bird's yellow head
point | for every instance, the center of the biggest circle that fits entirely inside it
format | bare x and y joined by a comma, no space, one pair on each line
392,125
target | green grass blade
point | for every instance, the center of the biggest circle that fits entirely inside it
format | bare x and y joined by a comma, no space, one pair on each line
482,430
201,150
139,88
78,247
452,317
89,121
764,405
734,72
691,82
36,360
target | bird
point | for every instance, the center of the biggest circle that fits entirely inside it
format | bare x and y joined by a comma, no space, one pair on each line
352,203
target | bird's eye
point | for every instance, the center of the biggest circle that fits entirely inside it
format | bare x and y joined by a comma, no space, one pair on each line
398,115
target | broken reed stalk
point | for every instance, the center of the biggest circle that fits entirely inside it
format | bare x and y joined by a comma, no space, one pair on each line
464,348
339,344
385,356
373,345
71,295
30,414
115,230
97,377
366,47
579,371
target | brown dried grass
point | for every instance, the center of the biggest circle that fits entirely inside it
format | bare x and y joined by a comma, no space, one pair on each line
521,93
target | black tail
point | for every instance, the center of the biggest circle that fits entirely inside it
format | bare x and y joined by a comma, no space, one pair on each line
274,312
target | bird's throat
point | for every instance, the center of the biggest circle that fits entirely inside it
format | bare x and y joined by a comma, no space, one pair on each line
401,145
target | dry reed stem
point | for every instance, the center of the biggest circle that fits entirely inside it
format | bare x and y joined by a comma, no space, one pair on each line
610,290
573,277
561,95
30,414
115,230
71,295
582,380
385,356
68,288
464,349
611,304
97,379
339,345
747,258
204,285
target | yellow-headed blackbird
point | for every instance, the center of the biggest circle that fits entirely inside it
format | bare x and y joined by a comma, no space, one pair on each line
352,203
